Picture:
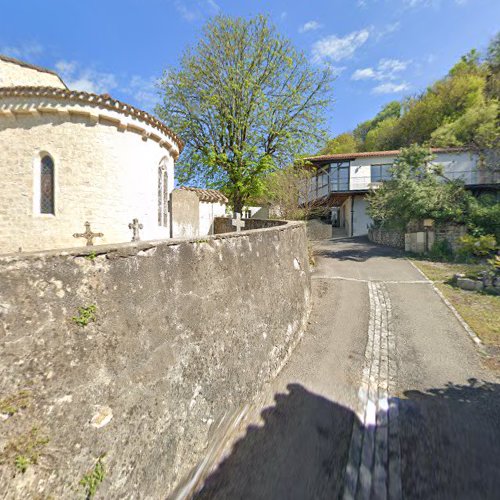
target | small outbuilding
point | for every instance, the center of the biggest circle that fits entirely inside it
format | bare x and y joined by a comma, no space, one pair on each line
194,211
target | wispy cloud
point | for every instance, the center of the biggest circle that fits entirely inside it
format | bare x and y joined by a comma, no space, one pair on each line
335,48
390,88
142,90
26,51
386,30
387,69
87,79
192,11
139,89
310,26
430,3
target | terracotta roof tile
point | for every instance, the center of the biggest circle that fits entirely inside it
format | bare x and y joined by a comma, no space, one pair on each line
374,154
103,101
208,195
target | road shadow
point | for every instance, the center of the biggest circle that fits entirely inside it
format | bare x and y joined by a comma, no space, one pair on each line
358,249
449,439
450,442
300,452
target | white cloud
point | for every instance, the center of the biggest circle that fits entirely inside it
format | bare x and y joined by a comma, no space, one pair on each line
142,90
386,30
337,48
310,26
86,79
25,51
363,74
390,88
387,69
192,11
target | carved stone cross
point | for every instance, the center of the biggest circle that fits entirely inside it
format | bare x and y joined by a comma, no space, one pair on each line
88,234
238,223
135,226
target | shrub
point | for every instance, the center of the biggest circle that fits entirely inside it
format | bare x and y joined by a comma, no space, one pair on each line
441,250
478,246
485,217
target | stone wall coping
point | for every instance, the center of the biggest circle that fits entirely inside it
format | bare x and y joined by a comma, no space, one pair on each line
119,250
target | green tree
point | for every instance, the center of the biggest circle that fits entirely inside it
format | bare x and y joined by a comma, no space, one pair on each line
390,113
493,65
418,191
246,102
343,143
287,191
382,137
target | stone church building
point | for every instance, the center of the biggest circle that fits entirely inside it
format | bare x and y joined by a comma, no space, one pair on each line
70,157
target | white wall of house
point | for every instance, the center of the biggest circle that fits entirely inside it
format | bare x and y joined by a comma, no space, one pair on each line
208,211
361,220
360,173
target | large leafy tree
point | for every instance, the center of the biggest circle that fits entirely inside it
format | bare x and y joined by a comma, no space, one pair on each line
245,101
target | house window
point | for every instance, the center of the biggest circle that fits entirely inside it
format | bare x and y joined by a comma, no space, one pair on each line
339,176
162,194
47,185
380,173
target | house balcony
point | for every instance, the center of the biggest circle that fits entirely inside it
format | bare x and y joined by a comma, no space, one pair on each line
473,179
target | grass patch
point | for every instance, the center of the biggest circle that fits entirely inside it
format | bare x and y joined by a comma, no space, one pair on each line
481,311
25,449
90,482
444,271
15,402
85,315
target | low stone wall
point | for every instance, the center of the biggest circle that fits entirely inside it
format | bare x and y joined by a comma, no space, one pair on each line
393,239
136,353
451,233
224,225
318,230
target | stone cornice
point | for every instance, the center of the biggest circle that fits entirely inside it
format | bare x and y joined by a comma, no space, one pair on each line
89,99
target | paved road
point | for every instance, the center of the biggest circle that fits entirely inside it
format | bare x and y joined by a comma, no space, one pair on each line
385,397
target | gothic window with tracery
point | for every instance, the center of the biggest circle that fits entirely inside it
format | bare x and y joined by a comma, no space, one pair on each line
47,185
162,194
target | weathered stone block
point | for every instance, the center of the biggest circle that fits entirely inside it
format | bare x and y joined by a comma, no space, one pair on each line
469,284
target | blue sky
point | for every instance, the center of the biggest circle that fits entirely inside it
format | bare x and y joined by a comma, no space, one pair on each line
381,49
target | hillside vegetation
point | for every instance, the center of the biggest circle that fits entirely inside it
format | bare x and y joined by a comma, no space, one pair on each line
462,109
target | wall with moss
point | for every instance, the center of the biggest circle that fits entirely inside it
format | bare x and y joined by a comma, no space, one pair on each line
118,363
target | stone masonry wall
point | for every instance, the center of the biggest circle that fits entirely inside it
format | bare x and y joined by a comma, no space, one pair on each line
12,74
393,239
224,224
102,175
186,332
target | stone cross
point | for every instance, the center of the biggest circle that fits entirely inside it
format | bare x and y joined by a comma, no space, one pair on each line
135,226
238,223
88,234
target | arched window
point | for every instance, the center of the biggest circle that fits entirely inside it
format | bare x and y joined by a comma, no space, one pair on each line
47,185
162,194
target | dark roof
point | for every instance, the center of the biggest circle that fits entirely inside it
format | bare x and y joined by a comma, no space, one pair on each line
103,101
374,154
209,195
30,66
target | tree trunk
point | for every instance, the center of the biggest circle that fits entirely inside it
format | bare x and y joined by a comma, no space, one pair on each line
238,205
